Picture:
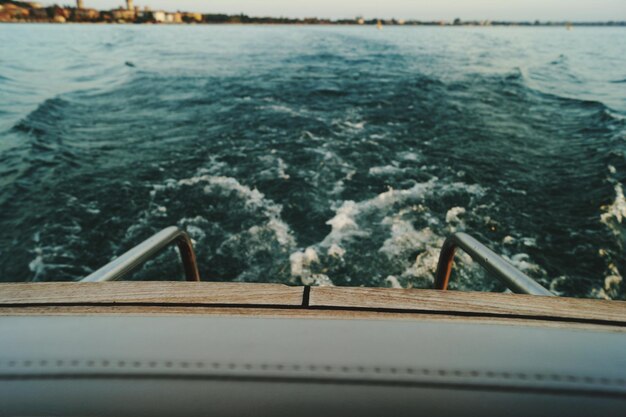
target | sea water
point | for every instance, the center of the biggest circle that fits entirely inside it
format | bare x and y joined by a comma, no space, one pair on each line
315,155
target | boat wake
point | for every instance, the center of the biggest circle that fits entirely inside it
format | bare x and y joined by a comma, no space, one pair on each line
340,158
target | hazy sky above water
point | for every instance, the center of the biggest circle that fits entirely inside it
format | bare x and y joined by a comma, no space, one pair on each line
408,9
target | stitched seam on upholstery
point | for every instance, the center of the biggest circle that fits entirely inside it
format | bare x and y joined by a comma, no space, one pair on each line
51,364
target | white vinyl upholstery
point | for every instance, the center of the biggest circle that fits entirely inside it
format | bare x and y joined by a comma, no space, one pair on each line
195,365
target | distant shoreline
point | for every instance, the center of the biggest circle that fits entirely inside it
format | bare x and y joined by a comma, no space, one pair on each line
14,11
507,24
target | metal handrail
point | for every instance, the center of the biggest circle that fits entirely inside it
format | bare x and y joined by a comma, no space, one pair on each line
147,250
515,280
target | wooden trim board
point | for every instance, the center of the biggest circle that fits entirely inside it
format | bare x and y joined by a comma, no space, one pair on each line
150,293
495,304
290,313
177,297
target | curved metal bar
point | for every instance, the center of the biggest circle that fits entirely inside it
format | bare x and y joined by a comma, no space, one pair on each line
145,251
514,279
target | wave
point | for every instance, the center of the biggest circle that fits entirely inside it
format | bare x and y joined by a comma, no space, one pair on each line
393,234
599,111
44,119
237,231
344,157
612,216
527,86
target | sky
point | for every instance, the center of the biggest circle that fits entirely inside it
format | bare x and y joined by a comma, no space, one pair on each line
575,10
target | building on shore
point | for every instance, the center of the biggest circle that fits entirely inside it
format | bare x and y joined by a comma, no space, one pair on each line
85,15
123,15
12,11
189,17
158,16
28,11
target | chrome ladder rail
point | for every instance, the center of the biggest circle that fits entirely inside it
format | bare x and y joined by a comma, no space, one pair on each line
515,280
148,249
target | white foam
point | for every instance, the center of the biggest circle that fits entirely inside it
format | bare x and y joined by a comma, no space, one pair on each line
385,170
281,231
194,226
409,156
319,280
452,216
612,283
279,170
404,237
393,282
615,212
256,201
613,215
396,212
37,266
250,200
339,186
282,169
296,261
301,263
343,225
47,256
279,108
425,264
529,241
355,125
523,262
336,251
555,283
526,241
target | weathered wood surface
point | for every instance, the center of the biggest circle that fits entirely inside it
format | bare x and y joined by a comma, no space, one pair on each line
150,292
470,302
284,301
290,313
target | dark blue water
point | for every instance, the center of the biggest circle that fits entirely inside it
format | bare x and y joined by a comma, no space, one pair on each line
315,155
